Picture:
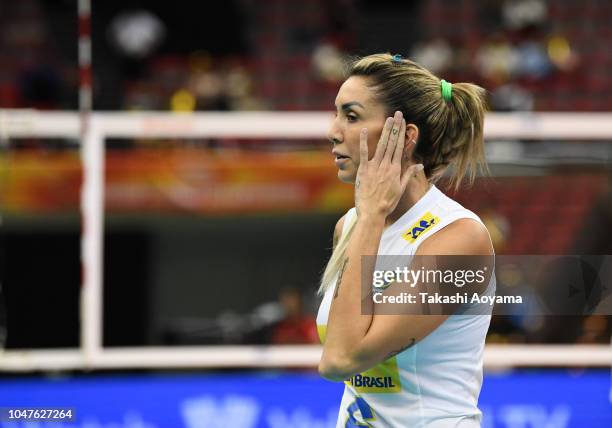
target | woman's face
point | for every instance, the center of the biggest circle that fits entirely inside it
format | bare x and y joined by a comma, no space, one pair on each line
356,109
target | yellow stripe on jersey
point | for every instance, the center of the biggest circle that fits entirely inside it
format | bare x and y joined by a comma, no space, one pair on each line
321,329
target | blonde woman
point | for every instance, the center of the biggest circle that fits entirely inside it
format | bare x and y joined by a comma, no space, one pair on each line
397,129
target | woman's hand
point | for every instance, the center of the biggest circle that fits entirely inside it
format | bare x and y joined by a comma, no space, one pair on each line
380,182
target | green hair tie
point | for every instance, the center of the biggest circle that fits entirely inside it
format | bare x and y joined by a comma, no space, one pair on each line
447,90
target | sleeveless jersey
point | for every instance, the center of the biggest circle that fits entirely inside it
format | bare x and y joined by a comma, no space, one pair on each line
436,382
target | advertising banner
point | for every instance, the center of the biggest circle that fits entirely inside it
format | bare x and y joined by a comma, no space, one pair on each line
546,399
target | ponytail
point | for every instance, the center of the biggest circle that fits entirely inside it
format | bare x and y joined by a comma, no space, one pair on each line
458,137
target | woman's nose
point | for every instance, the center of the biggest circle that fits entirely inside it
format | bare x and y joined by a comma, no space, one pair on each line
333,135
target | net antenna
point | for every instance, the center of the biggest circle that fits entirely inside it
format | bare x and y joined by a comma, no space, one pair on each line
92,196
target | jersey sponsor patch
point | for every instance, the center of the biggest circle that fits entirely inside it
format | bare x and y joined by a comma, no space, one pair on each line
383,378
426,222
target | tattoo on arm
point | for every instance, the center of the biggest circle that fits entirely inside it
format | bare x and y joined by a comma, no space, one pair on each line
394,353
340,278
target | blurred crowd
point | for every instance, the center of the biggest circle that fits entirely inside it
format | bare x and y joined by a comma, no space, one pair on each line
198,82
531,54
36,72
515,48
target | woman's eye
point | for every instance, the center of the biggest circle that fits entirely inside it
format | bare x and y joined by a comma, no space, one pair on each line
351,118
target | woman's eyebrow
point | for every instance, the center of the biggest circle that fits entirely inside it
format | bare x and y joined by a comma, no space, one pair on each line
348,105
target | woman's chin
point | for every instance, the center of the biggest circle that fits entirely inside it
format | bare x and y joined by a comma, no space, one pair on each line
346,176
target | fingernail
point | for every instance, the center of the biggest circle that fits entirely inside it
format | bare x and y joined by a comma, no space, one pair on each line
419,167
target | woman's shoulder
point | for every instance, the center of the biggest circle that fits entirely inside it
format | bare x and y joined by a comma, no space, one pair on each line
455,229
464,235
341,223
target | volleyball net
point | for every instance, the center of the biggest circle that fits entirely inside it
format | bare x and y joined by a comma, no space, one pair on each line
517,143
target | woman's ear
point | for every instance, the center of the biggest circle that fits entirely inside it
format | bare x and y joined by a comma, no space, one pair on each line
412,135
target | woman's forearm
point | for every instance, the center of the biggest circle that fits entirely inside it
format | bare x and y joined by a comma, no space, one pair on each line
347,326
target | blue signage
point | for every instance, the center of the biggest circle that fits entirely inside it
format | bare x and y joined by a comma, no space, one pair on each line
545,399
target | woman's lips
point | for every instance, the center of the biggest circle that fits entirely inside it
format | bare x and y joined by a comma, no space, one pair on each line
341,160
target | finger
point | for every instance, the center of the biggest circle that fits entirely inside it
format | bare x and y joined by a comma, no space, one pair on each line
363,148
399,146
410,173
382,142
390,149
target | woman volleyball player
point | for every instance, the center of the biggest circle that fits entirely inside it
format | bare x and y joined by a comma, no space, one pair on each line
403,370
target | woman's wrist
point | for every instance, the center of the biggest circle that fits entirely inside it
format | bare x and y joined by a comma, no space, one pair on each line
372,218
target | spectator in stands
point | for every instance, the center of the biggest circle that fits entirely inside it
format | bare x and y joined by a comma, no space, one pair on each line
498,226
436,55
512,97
595,329
296,327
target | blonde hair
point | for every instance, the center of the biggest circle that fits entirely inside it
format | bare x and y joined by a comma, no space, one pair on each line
450,132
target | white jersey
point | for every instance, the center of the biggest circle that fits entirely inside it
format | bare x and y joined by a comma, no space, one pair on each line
436,382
